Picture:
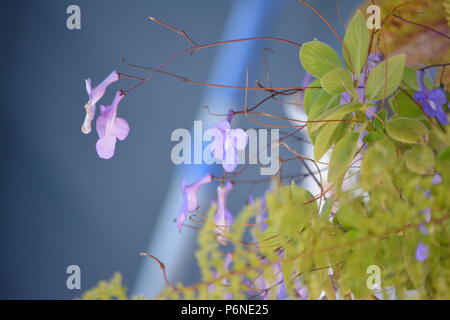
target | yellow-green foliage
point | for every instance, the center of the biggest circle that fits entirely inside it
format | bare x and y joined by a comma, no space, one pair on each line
107,290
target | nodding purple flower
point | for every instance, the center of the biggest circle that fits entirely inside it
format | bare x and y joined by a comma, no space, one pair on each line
190,202
223,217
421,251
95,94
431,100
437,179
110,128
301,292
262,216
227,142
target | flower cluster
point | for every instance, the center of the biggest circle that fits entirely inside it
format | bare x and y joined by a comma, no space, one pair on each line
109,126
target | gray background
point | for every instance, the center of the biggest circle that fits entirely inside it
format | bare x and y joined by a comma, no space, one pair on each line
60,203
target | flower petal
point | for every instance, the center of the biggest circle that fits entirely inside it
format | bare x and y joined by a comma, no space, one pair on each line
438,96
421,251
121,128
419,96
101,123
88,86
239,137
441,116
106,146
224,125
429,111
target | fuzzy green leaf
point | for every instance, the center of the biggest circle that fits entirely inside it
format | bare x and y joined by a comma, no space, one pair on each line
356,44
318,58
407,130
385,78
338,81
420,159
342,156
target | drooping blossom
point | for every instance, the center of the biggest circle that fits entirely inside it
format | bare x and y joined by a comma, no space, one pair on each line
95,94
262,216
431,100
190,202
227,142
421,251
437,179
223,218
110,127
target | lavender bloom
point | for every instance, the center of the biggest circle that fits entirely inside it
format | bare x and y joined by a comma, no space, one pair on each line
223,218
437,179
262,217
226,144
95,94
110,128
421,252
431,101
190,202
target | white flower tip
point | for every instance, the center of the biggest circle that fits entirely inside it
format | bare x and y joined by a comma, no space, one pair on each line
86,128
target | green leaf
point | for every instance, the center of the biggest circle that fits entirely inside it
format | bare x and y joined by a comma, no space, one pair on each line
383,115
444,155
416,270
311,95
342,156
327,207
316,101
420,159
335,113
378,161
350,215
404,106
318,58
356,44
338,81
407,130
385,78
303,197
327,135
374,136
409,80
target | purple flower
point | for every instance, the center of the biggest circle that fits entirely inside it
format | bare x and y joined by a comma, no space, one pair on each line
421,251
226,144
427,214
436,179
190,202
262,216
302,293
110,128
223,217
431,100
95,94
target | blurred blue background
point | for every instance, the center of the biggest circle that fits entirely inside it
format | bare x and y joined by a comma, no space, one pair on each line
60,203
